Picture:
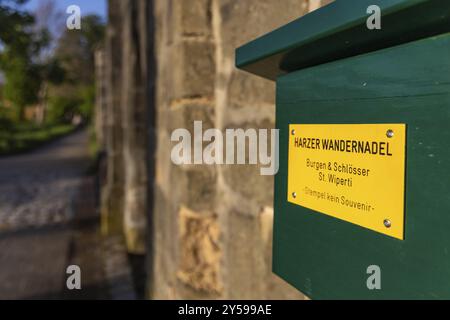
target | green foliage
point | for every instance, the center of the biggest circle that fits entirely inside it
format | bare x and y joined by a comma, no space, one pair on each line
93,31
23,78
6,120
25,138
75,50
53,72
22,82
61,109
13,22
63,80
75,53
70,101
88,97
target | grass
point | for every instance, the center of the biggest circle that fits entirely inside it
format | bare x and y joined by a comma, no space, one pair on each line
25,138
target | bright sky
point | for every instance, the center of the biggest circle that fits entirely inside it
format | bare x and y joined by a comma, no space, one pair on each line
87,6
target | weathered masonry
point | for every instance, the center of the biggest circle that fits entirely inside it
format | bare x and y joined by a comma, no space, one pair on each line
339,81
206,230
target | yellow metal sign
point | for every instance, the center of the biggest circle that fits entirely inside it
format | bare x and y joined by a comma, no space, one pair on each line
355,173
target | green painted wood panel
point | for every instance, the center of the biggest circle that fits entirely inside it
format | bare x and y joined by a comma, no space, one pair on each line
338,31
327,258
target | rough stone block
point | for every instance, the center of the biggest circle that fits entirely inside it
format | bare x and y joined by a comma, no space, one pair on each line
194,69
246,180
195,17
246,270
243,21
185,112
246,90
163,248
199,188
112,210
200,251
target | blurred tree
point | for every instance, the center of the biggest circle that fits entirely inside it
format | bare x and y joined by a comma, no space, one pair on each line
44,68
22,82
75,51
50,18
19,46
51,74
25,55
13,21
62,108
76,48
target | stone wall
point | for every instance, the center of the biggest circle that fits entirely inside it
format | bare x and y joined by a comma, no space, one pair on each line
126,120
112,193
209,227
213,225
100,98
135,103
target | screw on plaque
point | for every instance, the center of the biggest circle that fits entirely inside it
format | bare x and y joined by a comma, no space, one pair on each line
387,223
293,132
294,195
390,133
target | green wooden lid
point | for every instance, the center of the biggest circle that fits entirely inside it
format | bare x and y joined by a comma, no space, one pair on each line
339,30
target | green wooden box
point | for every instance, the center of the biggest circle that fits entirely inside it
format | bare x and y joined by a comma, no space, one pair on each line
330,68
